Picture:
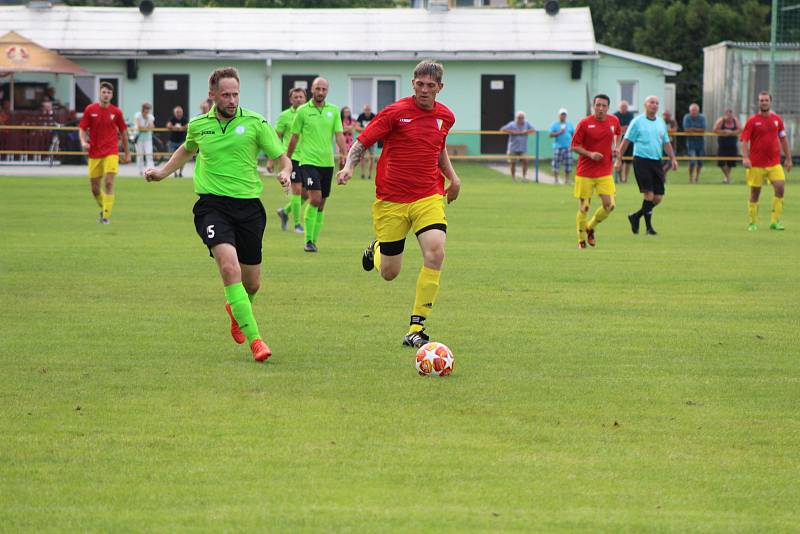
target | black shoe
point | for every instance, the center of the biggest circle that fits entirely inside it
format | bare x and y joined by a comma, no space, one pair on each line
415,339
368,257
650,231
284,219
634,220
310,247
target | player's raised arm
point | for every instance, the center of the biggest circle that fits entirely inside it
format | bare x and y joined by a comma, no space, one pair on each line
285,174
353,159
179,158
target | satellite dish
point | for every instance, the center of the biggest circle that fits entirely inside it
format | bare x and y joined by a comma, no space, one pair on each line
146,7
551,7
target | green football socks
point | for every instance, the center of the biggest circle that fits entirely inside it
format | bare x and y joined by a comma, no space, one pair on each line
242,310
310,221
318,226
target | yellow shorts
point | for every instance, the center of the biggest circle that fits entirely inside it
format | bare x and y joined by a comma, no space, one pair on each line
99,167
393,220
585,187
756,175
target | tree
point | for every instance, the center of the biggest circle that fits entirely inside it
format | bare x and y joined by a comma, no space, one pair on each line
679,30
674,30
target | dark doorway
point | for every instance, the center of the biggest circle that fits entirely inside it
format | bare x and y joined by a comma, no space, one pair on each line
291,81
497,108
170,90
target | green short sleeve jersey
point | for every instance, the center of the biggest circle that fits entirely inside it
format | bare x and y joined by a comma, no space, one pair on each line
284,127
316,127
227,161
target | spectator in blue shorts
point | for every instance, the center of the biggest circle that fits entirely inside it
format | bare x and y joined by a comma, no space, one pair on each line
518,130
562,131
695,122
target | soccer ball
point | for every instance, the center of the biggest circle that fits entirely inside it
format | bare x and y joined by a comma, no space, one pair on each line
434,359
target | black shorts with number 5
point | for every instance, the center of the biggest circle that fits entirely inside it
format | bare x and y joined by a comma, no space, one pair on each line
236,221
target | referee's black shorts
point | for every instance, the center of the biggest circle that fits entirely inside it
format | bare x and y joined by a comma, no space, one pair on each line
236,221
649,175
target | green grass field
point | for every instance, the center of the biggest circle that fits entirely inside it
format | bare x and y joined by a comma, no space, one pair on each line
649,384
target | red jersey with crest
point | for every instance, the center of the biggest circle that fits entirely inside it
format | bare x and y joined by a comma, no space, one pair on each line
764,134
103,125
596,136
413,137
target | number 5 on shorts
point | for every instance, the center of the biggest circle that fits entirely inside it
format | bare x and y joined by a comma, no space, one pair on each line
210,231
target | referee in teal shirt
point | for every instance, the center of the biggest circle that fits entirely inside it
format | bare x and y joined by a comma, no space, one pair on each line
649,134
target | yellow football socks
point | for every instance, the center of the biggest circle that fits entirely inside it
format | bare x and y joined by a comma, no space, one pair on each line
777,209
427,289
108,204
752,212
376,257
99,199
580,223
599,216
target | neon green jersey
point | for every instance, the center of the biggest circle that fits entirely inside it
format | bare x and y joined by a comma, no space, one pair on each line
226,163
316,127
284,127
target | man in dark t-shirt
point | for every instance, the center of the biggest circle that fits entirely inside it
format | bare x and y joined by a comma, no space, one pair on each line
625,117
177,125
363,119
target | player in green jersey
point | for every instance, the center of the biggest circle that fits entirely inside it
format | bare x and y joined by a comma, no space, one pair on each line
316,122
297,96
229,216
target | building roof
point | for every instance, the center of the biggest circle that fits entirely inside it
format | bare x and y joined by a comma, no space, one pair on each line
670,69
356,34
753,45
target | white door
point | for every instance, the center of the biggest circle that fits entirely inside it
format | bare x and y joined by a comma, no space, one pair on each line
669,99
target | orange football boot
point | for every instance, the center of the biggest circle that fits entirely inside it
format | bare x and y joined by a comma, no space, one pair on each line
260,350
236,332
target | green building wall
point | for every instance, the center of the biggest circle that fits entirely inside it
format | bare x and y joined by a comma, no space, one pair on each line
541,87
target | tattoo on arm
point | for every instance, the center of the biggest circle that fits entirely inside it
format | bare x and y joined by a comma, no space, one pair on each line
355,154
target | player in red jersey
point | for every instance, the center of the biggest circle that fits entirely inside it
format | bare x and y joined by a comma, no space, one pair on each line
763,136
100,128
595,141
409,188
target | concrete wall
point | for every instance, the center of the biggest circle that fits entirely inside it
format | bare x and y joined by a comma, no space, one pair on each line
611,70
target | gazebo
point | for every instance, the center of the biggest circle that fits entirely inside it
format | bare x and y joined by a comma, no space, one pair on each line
18,54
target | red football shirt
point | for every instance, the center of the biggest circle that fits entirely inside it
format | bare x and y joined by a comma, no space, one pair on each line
596,136
408,168
764,134
103,125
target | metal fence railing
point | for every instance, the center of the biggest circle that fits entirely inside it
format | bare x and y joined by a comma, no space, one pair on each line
52,143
